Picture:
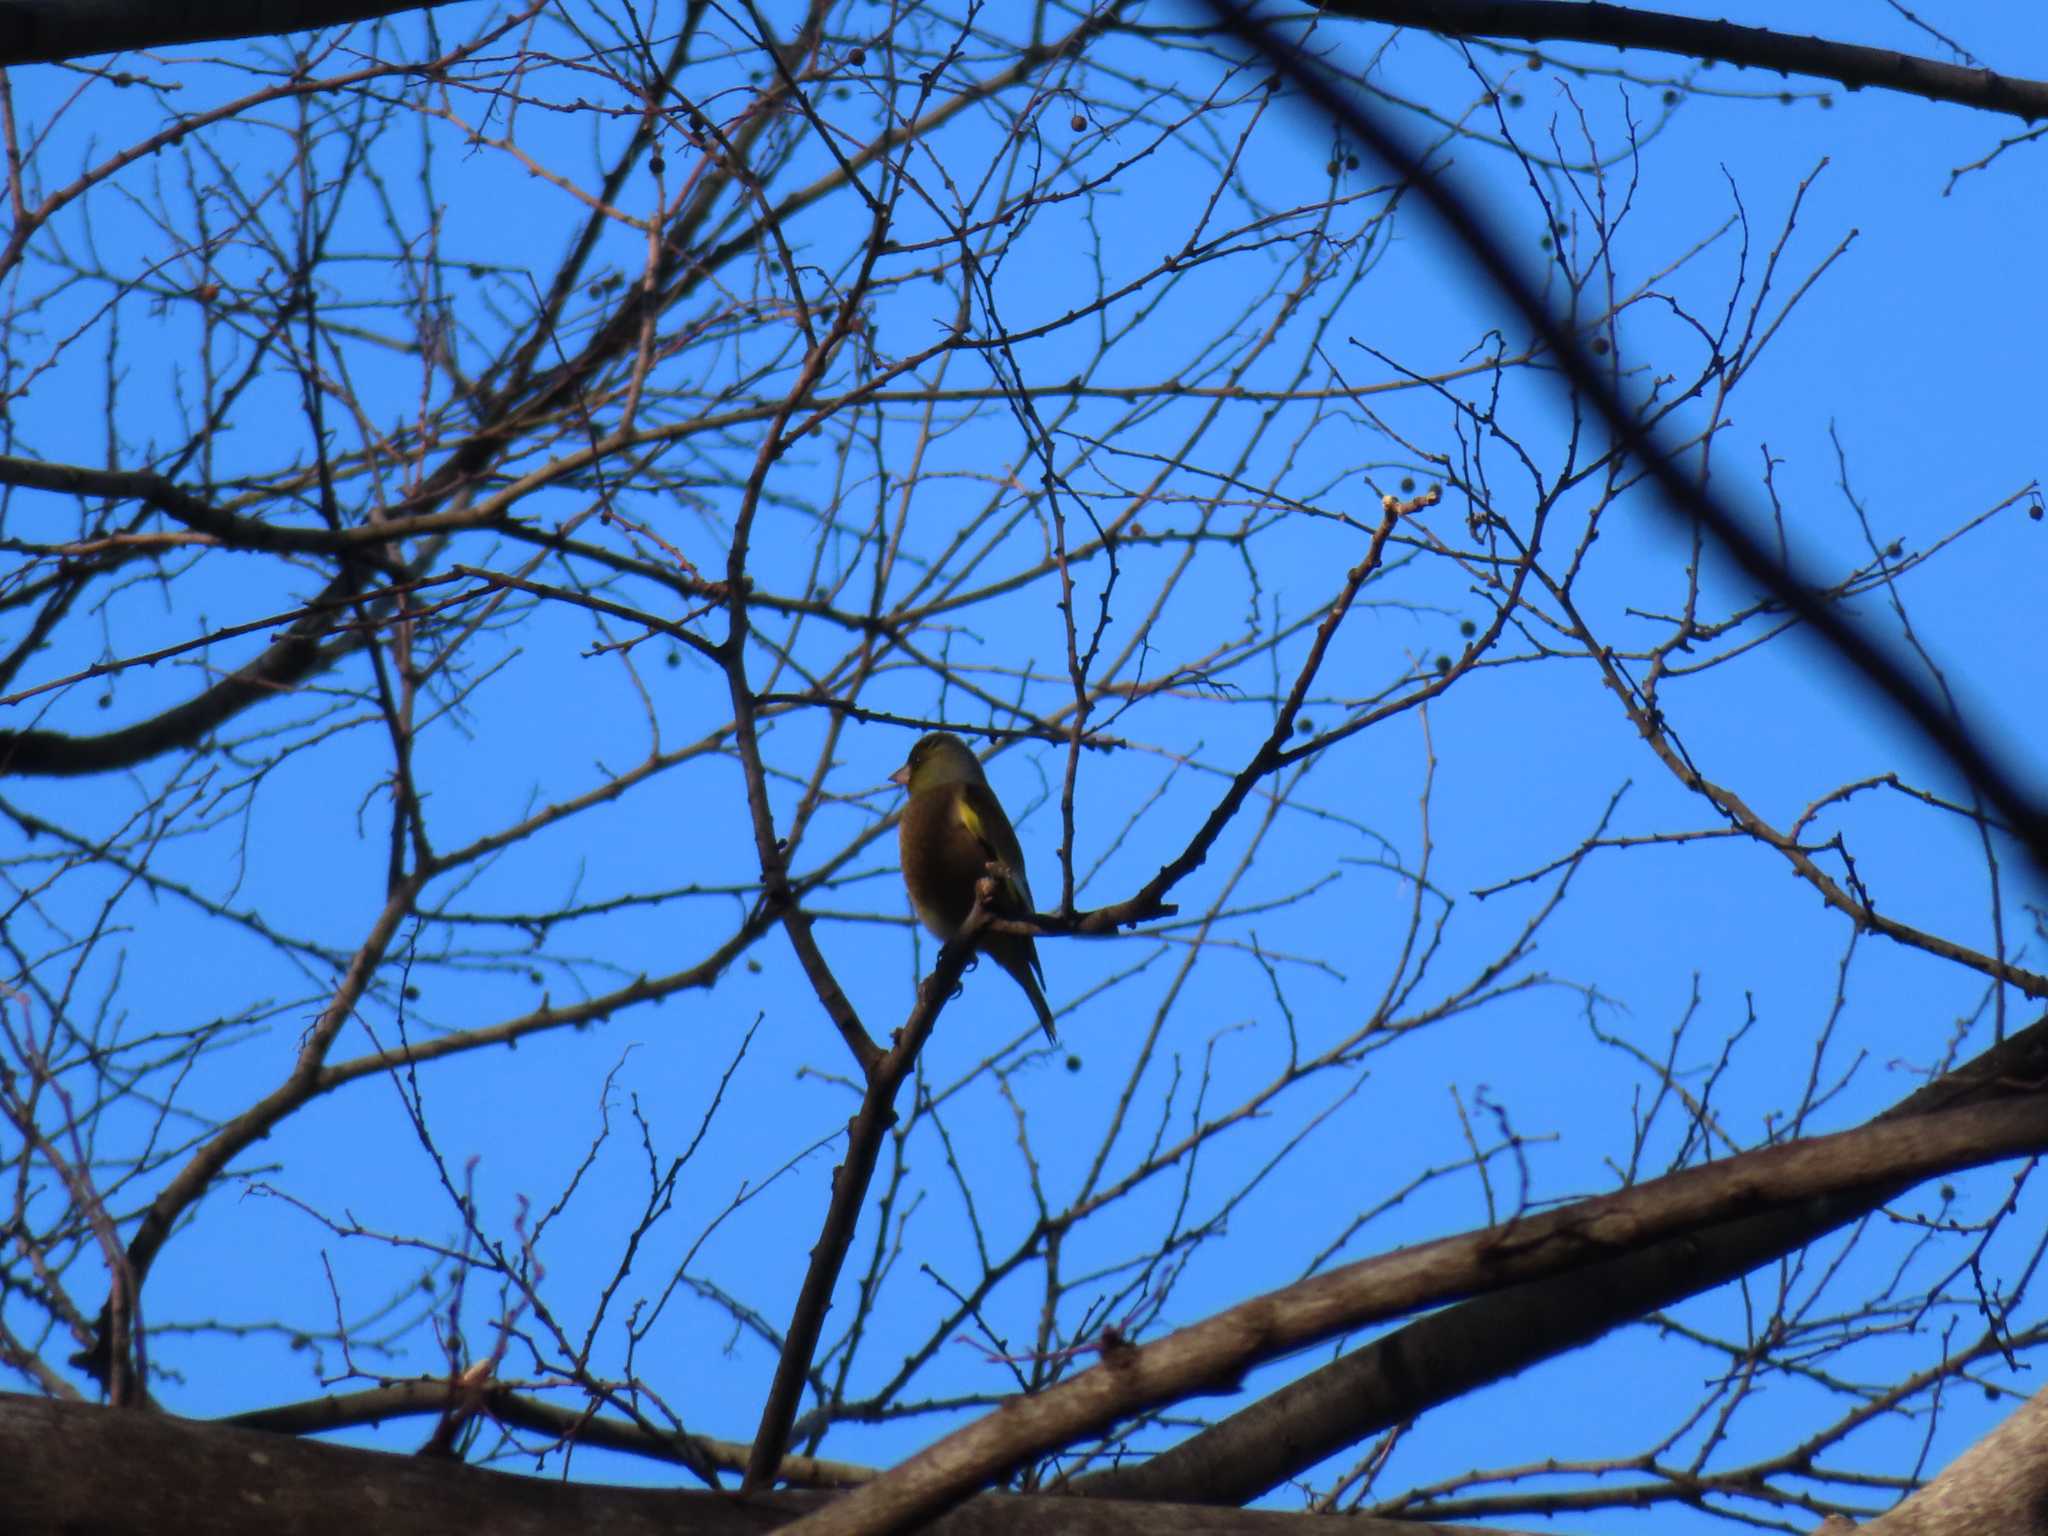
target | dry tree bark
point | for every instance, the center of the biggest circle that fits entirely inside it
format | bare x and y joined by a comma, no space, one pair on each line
180,1478
1999,1485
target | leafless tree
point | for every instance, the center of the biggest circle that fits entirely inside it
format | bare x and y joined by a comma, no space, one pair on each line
493,491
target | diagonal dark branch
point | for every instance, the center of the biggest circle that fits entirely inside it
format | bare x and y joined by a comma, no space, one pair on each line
1689,502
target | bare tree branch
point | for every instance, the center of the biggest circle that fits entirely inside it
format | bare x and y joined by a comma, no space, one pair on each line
1621,26
40,31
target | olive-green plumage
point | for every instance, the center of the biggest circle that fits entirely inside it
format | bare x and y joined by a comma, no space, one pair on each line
951,831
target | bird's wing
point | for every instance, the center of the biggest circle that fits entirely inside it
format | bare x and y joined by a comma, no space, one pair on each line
982,815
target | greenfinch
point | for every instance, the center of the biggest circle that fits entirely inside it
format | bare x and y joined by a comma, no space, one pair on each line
951,831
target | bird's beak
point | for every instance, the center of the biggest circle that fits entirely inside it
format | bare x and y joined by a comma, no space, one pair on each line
901,776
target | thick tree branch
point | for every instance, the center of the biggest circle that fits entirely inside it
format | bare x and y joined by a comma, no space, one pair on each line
1439,1358
41,31
73,1467
1616,26
1998,1487
1212,1356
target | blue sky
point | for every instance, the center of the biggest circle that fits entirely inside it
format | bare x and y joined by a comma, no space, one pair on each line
1915,351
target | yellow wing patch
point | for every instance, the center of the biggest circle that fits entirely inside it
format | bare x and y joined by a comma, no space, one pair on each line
969,820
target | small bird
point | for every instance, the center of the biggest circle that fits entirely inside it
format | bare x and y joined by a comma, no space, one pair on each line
951,831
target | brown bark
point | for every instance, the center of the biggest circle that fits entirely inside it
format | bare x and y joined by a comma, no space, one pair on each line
39,31
1998,1487
74,1467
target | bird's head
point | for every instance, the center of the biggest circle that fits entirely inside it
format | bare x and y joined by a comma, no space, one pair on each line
940,758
